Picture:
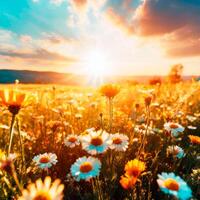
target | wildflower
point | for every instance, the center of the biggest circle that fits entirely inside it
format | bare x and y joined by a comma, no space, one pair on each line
169,183
12,99
85,168
46,160
191,118
95,142
176,151
43,190
6,162
143,128
148,100
174,128
110,90
194,139
192,127
71,141
134,168
119,142
128,182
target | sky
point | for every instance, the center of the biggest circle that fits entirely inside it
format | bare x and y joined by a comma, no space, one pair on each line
122,37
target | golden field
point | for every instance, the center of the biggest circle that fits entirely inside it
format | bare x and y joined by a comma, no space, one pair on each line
113,142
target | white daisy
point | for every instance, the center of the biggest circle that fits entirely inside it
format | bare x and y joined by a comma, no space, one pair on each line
176,151
46,160
72,141
174,128
119,142
43,191
95,142
85,168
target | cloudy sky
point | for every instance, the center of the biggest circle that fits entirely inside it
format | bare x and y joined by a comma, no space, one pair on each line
115,36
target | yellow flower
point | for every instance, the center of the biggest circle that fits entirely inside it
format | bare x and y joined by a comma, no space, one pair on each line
128,182
194,139
43,190
12,99
110,90
134,168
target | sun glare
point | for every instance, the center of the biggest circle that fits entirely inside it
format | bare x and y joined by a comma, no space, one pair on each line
97,67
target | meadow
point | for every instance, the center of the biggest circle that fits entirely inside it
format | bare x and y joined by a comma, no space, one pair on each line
114,142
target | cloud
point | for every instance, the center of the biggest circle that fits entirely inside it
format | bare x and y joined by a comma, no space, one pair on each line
173,22
157,17
119,21
38,54
26,38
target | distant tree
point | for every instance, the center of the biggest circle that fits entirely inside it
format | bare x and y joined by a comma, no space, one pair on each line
175,74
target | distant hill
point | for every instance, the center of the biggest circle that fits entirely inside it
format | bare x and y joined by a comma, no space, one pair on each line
26,76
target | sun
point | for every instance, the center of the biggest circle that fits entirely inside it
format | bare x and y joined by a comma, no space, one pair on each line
97,67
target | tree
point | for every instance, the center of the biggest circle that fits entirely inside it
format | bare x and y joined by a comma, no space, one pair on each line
175,74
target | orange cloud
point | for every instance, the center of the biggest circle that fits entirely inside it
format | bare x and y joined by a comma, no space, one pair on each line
119,21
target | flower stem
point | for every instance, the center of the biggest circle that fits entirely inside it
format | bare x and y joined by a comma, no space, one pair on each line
11,133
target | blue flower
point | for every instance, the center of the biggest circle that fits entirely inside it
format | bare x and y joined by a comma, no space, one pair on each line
171,184
85,168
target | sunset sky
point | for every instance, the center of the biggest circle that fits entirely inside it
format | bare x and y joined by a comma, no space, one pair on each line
129,37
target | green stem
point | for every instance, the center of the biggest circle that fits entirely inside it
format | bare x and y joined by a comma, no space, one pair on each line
11,133
21,145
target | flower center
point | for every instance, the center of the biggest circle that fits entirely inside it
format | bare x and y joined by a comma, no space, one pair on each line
72,139
171,184
135,171
42,196
173,126
97,141
86,167
117,141
44,159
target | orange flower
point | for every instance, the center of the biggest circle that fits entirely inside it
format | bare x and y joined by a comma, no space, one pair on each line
128,182
134,168
12,99
110,90
194,139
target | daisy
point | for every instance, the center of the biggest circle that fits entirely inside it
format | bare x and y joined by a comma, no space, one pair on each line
95,142
174,128
171,184
85,168
46,160
71,141
119,142
43,190
176,151
192,127
134,168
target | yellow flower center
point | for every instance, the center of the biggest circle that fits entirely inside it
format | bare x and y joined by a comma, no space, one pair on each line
42,196
86,167
44,159
171,184
117,141
97,141
72,139
173,126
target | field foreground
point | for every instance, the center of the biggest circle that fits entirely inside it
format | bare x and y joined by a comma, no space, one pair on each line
114,142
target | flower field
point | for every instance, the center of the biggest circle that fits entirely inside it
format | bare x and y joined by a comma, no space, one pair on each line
115,142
